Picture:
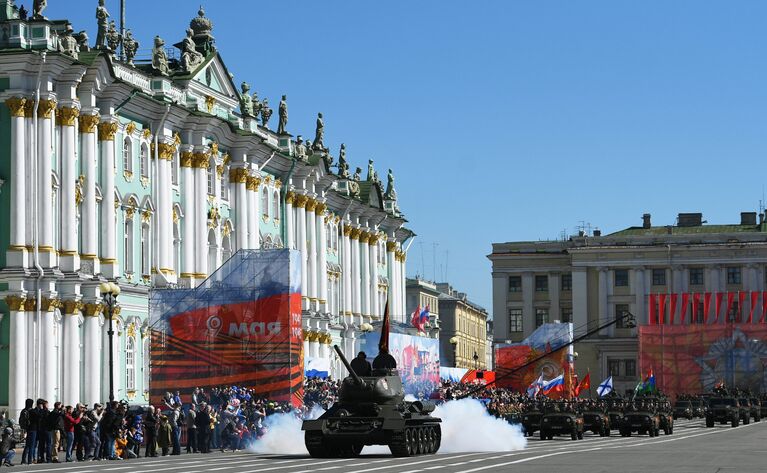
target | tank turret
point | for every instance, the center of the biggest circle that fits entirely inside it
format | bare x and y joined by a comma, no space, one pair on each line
371,410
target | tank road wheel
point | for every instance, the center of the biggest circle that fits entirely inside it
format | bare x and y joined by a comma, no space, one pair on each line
409,441
437,438
398,445
314,445
432,439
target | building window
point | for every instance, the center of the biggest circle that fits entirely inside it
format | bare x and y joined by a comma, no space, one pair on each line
733,314
567,314
631,368
225,188
174,170
130,364
733,275
541,283
620,311
515,283
567,282
128,245
515,320
541,317
144,161
265,202
276,205
145,262
614,367
696,276
212,178
658,277
621,278
127,156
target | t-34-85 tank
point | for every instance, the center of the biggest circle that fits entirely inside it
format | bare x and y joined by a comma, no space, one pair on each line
372,410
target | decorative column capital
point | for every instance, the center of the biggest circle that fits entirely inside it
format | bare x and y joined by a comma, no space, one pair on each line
320,208
238,176
186,159
166,151
107,131
391,246
93,309
16,106
347,230
45,108
15,302
364,237
66,116
355,233
72,307
50,304
311,204
290,197
253,183
373,239
30,305
300,201
200,160
88,123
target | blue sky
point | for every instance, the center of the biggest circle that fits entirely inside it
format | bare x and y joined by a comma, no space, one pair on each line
508,120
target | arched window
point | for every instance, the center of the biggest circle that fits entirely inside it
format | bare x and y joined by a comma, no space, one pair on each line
130,364
225,187
265,202
127,156
329,230
226,248
145,262
128,244
176,248
212,177
276,205
212,249
144,161
145,364
174,169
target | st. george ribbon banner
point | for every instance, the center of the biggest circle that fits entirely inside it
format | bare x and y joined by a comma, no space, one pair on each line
240,327
695,358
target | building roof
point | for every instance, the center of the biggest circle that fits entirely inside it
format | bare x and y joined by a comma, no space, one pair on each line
685,230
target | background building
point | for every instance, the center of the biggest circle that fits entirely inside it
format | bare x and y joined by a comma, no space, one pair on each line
423,294
463,330
589,279
151,175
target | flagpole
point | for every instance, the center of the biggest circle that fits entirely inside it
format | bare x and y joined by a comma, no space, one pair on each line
588,373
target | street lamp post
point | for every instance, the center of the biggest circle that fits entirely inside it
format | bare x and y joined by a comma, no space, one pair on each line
109,293
454,342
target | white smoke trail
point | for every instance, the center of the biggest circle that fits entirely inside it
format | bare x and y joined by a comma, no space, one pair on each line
466,427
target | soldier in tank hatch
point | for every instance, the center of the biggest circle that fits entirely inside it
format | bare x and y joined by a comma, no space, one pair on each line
361,365
384,360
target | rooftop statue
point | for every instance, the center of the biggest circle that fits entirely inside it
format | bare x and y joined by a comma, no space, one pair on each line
283,114
390,194
357,175
23,13
246,103
102,17
113,36
190,58
68,43
160,57
82,41
371,171
37,9
201,27
131,47
343,165
319,134
266,113
300,149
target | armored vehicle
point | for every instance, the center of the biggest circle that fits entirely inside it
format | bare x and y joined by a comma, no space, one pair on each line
745,410
371,410
596,420
561,422
763,407
615,412
531,421
722,410
756,409
683,409
642,420
666,417
699,407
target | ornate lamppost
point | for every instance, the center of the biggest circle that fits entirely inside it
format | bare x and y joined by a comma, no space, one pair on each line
476,361
109,293
454,342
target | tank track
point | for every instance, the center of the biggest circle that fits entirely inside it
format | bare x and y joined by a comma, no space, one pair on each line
416,440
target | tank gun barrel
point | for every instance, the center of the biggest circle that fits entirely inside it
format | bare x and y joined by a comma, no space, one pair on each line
357,379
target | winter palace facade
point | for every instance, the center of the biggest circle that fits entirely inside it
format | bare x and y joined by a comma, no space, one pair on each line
151,175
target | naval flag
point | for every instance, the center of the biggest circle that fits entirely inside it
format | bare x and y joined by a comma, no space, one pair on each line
605,387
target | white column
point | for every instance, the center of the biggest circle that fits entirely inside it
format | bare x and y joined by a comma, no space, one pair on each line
346,267
641,311
69,245
164,213
402,286
580,298
48,361
16,254
188,201
322,250
528,309
45,201
254,210
92,361
17,363
375,311
301,223
602,311
365,269
311,254
200,163
390,246
89,225
290,241
71,352
356,276
109,266
239,179
554,312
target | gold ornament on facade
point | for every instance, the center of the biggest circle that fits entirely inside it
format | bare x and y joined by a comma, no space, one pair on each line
72,307
347,230
313,336
130,330
186,159
166,151
146,133
93,309
364,237
49,304
14,302
176,139
144,182
210,102
391,246
175,216
238,176
355,233
30,305
290,197
16,106
311,204
320,208
146,216
300,201
129,211
67,116
220,171
45,108
88,123
214,148
226,231
268,179
130,128
28,108
128,175
79,185
253,182
373,239
107,131
213,217
200,160
226,158
277,184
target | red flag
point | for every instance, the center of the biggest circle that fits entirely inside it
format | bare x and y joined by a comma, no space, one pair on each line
741,300
718,305
662,309
764,306
651,320
730,299
685,306
706,306
584,384
672,308
383,343
695,307
754,300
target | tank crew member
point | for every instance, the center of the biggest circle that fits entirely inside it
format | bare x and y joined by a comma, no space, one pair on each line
361,365
384,360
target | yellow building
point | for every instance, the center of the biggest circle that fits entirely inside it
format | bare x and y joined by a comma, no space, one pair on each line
463,330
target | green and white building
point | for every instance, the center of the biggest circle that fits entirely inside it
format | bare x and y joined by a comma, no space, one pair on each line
152,177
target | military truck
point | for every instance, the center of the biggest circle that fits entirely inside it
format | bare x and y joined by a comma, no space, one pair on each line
763,408
641,419
371,410
722,409
596,420
531,421
561,420
756,409
745,410
666,417
683,409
